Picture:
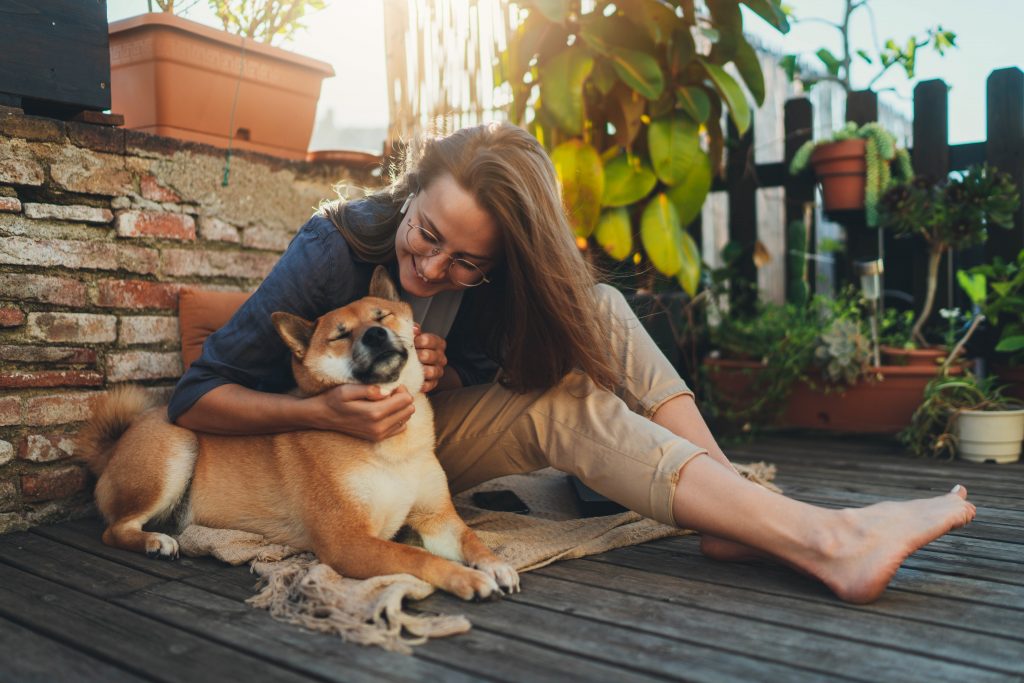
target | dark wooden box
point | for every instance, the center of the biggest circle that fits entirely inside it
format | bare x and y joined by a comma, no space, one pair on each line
55,55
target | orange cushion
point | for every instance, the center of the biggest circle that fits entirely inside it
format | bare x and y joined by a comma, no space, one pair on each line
202,312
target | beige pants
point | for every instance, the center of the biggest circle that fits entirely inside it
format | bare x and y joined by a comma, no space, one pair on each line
605,438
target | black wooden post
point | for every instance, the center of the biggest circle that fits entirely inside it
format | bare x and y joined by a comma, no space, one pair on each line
931,160
798,122
861,241
1004,149
742,186
862,107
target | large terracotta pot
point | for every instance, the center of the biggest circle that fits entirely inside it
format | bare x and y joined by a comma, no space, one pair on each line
841,167
930,357
872,406
178,78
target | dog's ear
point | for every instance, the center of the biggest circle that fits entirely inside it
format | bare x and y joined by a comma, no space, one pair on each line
381,285
295,331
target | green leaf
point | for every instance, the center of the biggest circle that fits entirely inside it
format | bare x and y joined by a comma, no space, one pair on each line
615,234
749,66
639,71
625,111
733,95
581,174
974,285
1011,344
689,194
603,76
830,61
865,56
659,231
674,145
626,181
789,65
771,11
561,88
694,102
682,51
726,17
656,17
555,10
689,269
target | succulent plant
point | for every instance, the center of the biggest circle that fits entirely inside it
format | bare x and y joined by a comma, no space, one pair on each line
842,351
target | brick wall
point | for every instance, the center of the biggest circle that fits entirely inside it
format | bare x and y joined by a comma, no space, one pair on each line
99,229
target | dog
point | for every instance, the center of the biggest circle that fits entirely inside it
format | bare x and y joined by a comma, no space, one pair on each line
341,497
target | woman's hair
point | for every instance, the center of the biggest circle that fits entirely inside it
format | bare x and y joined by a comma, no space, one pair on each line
538,314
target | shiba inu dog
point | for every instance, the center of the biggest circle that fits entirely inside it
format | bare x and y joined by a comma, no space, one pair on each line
341,497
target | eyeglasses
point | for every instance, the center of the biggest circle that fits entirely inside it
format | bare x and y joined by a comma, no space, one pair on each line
425,243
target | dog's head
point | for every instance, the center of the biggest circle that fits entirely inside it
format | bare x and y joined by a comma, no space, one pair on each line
369,341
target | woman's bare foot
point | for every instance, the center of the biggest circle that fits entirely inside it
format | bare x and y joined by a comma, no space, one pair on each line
865,546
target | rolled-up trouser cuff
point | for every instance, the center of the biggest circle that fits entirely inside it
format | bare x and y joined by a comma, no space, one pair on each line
650,403
666,479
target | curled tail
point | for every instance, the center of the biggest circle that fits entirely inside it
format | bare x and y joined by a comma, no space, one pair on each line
111,417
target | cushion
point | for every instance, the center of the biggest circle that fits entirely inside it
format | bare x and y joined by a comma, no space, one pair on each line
201,312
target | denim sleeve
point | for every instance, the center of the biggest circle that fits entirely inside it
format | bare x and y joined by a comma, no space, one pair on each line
314,275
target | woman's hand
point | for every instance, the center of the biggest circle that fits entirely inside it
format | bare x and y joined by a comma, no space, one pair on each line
430,350
363,411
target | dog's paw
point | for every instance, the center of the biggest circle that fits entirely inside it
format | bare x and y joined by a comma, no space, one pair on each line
472,584
503,574
161,546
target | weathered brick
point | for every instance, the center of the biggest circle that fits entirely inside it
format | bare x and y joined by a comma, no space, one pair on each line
133,365
34,128
11,522
77,255
51,484
18,166
6,452
82,170
266,238
213,264
175,226
148,329
8,495
11,316
59,409
152,189
46,448
215,229
10,205
54,355
136,294
42,288
10,413
19,379
74,327
74,212
98,138
120,202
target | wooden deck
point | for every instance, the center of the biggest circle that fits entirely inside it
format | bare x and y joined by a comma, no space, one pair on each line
72,609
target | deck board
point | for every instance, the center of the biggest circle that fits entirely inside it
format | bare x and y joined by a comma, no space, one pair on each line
74,609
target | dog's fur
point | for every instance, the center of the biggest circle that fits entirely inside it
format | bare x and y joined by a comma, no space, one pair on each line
342,497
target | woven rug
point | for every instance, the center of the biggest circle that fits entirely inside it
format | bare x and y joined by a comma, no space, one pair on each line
295,588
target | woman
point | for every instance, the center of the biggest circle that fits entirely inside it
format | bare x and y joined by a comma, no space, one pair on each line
476,234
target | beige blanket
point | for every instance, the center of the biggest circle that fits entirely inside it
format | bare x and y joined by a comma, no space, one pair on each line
297,589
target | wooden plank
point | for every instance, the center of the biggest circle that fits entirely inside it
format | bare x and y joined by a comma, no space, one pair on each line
57,562
144,646
742,187
578,628
241,627
1005,150
32,658
743,624
798,124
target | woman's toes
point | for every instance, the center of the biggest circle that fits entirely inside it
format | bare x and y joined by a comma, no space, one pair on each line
959,491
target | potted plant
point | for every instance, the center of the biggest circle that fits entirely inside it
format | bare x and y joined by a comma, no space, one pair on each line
967,416
856,165
952,214
175,77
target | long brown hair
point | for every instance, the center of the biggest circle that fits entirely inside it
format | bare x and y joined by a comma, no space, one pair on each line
537,317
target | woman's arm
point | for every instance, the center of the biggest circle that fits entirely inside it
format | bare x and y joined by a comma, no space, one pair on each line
357,410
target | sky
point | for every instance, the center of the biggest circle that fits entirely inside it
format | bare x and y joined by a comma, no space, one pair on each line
349,34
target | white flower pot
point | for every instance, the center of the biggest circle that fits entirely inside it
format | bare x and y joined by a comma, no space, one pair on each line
990,436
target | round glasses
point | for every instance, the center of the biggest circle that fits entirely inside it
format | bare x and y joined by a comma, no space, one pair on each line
424,243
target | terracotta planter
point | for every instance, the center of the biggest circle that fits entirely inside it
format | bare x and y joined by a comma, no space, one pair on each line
841,167
178,78
990,436
930,358
871,406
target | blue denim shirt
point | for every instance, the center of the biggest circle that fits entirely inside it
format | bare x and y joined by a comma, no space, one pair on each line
316,274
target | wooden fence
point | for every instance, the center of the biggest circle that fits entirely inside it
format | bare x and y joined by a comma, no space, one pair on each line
932,155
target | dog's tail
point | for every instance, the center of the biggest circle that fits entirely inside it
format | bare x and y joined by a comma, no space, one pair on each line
110,418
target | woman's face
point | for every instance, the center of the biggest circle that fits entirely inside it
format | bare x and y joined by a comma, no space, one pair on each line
462,228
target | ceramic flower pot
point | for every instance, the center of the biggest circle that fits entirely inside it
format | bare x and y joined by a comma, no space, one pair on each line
178,78
930,357
842,169
990,435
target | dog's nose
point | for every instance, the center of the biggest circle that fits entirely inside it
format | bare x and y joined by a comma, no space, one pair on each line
375,336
